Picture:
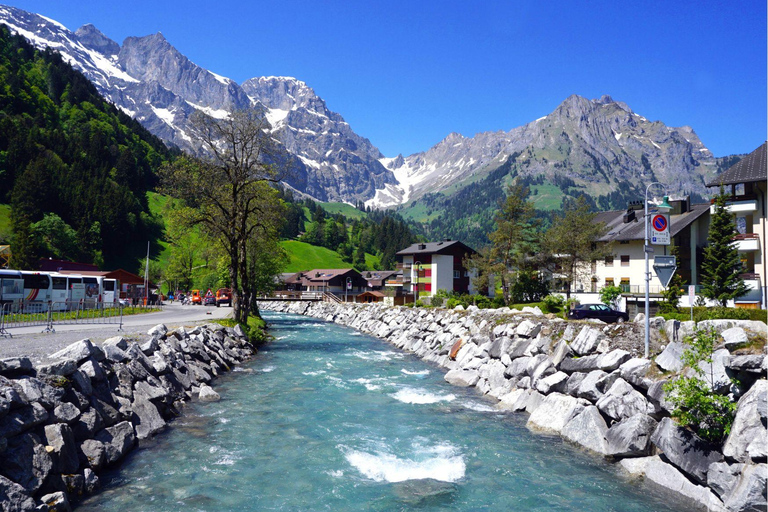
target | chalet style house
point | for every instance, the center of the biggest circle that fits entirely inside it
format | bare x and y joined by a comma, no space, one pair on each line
745,183
432,266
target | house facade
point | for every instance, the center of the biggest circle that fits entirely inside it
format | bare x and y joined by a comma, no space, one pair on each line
745,183
429,267
625,267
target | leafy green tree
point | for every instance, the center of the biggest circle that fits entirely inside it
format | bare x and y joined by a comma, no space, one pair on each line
358,261
609,295
229,192
674,290
696,404
721,266
56,238
571,243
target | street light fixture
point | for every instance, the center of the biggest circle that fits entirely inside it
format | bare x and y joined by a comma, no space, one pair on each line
647,249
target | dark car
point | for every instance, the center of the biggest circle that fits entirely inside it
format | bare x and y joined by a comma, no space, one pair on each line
599,311
209,300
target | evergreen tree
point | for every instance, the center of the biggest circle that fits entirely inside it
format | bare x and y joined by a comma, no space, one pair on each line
720,279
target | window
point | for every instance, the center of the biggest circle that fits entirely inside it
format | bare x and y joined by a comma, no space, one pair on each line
625,260
456,274
466,273
608,281
609,261
739,189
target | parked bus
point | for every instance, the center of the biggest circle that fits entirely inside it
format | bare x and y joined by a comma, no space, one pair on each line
109,291
37,289
68,291
11,288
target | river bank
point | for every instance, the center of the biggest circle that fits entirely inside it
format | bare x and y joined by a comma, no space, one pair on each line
88,405
575,380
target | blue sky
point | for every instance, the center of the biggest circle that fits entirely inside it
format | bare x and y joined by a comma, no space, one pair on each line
407,73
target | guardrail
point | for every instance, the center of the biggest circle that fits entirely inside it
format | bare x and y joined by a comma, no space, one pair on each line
47,315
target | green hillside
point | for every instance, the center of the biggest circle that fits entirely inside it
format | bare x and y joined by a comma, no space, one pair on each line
303,256
345,209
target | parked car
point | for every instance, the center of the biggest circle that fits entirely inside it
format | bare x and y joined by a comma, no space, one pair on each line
196,298
599,311
209,300
223,297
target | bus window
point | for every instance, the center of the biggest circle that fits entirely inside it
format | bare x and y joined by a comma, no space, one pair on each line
59,283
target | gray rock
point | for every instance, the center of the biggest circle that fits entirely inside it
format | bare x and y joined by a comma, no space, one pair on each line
115,353
657,397
159,330
670,359
573,383
588,387
734,337
612,360
463,378
586,341
622,401
22,419
207,394
562,350
668,477
117,440
79,351
91,480
117,341
749,493
13,366
62,368
27,462
748,437
93,453
685,450
87,424
722,477
587,429
584,364
93,370
518,367
554,383
635,370
146,418
239,332
14,498
55,502
631,437
746,363
554,413
59,436
528,329
714,373
500,346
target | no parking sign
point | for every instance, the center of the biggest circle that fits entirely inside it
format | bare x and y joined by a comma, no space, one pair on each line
660,229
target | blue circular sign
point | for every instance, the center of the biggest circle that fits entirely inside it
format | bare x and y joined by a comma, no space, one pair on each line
659,223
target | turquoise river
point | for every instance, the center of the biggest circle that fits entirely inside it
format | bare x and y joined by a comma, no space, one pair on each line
325,418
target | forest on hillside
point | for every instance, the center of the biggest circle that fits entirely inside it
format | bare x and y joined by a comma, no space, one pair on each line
74,169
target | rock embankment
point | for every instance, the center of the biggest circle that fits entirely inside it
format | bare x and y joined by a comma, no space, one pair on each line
60,424
587,383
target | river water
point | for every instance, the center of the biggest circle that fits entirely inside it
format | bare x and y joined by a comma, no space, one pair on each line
325,418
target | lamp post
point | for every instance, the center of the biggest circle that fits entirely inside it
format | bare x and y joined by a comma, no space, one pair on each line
647,250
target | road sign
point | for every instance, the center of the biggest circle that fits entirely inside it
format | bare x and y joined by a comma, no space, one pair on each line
665,267
660,229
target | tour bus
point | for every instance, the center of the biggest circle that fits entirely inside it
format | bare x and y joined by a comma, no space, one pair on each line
109,291
37,290
11,289
67,291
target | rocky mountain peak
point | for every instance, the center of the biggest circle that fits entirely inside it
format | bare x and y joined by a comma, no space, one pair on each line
92,37
279,92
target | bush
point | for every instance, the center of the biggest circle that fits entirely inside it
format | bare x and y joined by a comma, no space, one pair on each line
609,294
703,313
553,303
696,405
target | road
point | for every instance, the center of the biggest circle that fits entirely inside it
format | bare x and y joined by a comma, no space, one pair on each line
30,342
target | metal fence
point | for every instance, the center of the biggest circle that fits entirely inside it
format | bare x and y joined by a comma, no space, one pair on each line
50,314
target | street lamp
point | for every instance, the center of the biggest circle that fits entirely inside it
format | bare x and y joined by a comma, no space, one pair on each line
647,249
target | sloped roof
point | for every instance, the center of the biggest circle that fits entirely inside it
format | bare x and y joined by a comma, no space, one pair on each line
749,169
432,247
618,231
320,274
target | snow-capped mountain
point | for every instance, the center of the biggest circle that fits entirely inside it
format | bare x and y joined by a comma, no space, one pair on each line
596,144
154,83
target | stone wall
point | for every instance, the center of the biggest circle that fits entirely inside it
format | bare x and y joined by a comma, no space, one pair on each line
587,383
62,423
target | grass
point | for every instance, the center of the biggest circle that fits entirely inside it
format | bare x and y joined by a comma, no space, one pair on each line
304,256
5,221
345,209
546,196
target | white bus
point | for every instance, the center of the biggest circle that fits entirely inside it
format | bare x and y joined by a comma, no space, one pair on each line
37,290
109,291
67,291
11,288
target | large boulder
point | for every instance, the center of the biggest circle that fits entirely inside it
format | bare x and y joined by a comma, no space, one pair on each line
734,337
14,498
463,378
552,383
64,450
27,462
586,341
749,493
635,372
207,394
722,478
146,418
622,401
670,359
78,351
587,429
588,389
685,450
668,477
631,437
749,437
613,359
554,413
117,440
714,373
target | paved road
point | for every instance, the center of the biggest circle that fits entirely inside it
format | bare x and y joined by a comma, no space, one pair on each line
30,342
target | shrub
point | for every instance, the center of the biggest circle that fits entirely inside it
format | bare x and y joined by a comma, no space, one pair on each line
553,303
696,405
609,295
